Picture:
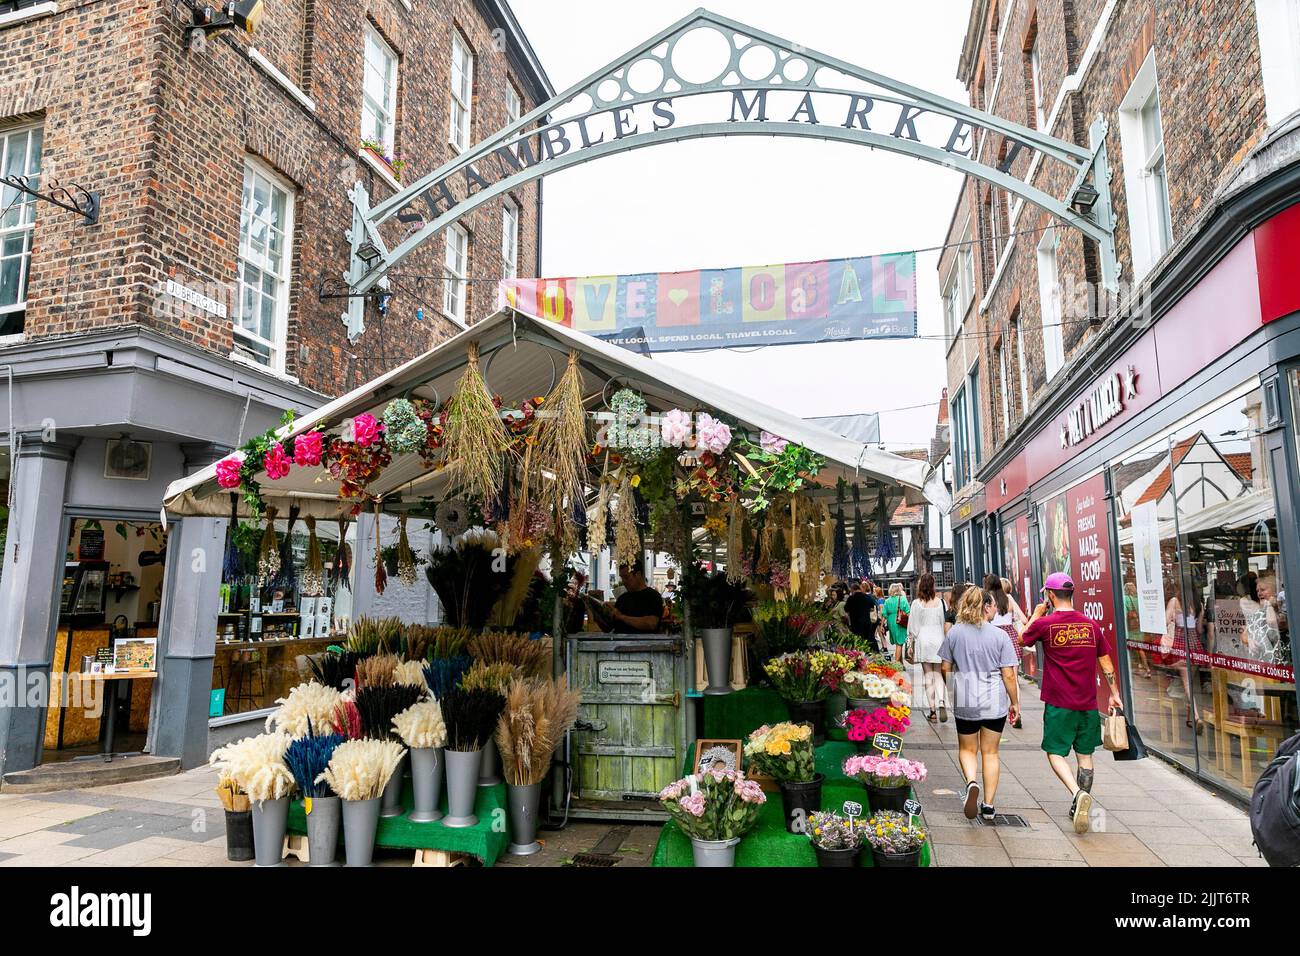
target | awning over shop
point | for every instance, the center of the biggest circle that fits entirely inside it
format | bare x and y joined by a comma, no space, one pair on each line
522,357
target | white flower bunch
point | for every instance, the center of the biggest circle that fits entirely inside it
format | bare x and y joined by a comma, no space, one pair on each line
360,769
256,765
421,725
312,703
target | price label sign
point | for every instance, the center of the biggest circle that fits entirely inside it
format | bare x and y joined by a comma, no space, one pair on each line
888,744
912,808
852,809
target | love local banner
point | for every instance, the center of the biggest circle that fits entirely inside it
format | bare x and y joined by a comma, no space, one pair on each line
870,297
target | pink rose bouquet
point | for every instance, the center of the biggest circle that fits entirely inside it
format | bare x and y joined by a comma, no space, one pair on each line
228,470
711,434
276,463
884,772
675,428
715,805
308,448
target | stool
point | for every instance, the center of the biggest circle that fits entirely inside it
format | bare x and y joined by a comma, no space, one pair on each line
246,670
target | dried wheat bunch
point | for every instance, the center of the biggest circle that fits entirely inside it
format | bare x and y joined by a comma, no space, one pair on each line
309,708
494,677
536,716
532,657
360,769
421,725
410,673
474,442
377,671
561,449
372,635
257,766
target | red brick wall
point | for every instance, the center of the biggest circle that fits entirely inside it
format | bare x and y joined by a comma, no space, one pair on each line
163,132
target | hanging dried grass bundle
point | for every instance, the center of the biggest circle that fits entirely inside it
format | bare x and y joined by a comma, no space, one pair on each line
736,542
507,607
381,573
421,726
268,552
562,439
492,677
536,716
307,706
826,535
256,765
627,541
312,580
405,556
532,657
597,530
379,704
359,769
341,573
377,671
471,717
474,442
411,673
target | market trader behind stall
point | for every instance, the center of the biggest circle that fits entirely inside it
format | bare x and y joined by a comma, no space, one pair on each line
640,608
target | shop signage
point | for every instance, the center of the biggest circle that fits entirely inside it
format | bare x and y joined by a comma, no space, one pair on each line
623,672
1148,568
1104,403
197,299
868,297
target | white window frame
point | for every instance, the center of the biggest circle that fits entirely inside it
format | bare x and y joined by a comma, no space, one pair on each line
951,317
509,238
960,437
455,269
461,112
1145,174
1049,298
1019,326
276,345
977,447
23,212
1279,56
1036,87
514,104
1004,388
965,275
375,117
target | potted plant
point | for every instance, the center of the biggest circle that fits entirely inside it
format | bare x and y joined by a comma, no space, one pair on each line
471,717
714,809
894,838
887,780
797,677
358,771
308,757
537,715
835,839
785,753
376,149
422,729
862,725
716,605
867,690
784,626
256,764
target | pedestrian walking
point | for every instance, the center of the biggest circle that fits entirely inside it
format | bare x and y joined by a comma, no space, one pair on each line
982,660
1073,648
860,608
925,631
897,613
1008,616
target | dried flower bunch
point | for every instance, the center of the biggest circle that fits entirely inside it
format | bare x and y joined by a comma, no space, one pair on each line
360,769
491,677
377,671
532,657
308,706
256,765
474,441
471,717
449,642
537,714
421,725
370,635
409,672
307,758
334,669
443,674
378,704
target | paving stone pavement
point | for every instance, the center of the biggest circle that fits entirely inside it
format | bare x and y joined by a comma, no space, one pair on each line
1145,812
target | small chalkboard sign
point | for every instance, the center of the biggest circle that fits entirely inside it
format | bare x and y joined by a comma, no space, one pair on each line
912,808
887,744
852,809
91,545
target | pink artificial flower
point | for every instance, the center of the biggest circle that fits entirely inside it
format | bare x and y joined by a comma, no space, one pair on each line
365,430
308,448
693,804
276,463
673,791
675,428
711,434
228,470
772,444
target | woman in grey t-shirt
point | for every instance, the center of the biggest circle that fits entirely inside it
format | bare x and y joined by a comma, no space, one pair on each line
982,660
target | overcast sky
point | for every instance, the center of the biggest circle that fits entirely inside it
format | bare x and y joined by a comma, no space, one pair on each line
752,201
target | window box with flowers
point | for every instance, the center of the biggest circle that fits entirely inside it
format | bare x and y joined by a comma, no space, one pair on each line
375,150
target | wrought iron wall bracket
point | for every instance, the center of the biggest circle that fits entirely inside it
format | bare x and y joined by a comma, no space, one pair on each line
73,197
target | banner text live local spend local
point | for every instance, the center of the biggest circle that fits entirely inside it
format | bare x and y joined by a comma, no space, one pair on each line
868,297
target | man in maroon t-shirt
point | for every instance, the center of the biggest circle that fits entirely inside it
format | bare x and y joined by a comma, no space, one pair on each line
1073,647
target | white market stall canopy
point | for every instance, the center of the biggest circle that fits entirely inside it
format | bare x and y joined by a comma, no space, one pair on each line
522,356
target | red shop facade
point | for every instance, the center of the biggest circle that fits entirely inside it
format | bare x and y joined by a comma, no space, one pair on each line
1164,477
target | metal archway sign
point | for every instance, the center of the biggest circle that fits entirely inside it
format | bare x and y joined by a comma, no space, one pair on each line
708,75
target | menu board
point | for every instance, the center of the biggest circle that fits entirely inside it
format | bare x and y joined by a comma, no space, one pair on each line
1089,535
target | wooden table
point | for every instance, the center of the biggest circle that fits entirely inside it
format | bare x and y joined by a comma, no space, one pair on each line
110,718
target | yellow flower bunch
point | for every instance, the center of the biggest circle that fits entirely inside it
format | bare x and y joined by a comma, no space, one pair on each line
779,738
900,712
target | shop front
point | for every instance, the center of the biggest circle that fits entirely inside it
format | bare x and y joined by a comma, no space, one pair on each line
1166,487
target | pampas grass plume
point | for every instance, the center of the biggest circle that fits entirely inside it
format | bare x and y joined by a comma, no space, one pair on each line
310,706
421,726
360,769
257,765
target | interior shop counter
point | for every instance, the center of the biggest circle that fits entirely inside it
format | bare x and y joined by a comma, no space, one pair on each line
73,724
254,674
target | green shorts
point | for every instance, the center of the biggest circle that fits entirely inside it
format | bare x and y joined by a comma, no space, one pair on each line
1066,730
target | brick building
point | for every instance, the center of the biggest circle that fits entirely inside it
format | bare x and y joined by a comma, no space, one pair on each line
205,298
1067,405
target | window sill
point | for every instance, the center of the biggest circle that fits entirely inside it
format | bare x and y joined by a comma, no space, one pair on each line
378,166
30,13
14,338
240,358
290,87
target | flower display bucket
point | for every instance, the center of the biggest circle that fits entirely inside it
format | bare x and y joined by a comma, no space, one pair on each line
836,707
489,770
799,801
868,703
392,801
717,659
812,712
714,852
239,835
881,858
323,831
462,786
426,784
523,803
887,798
360,820
840,857
270,820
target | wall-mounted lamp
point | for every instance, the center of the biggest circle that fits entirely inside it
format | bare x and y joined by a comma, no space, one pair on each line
1085,197
210,20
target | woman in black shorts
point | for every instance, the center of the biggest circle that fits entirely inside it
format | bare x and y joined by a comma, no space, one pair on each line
982,660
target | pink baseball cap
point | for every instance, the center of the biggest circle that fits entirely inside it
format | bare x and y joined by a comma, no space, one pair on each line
1058,581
